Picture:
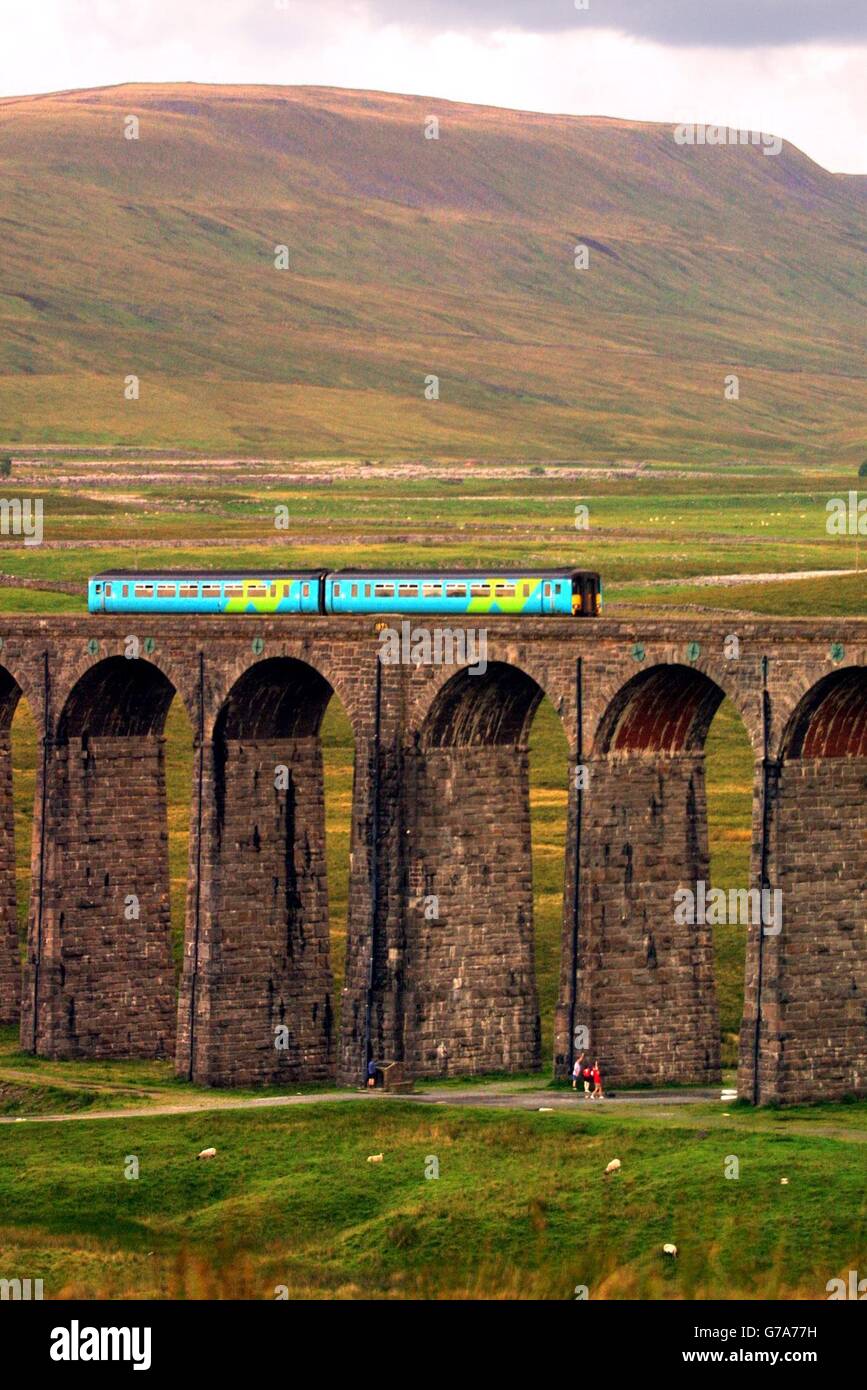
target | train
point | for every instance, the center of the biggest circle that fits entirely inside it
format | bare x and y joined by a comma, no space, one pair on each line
559,592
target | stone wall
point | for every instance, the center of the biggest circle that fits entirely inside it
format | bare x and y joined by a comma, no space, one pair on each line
646,983
813,1039
257,975
10,956
99,959
470,993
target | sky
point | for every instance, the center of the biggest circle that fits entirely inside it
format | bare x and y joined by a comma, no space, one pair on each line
794,68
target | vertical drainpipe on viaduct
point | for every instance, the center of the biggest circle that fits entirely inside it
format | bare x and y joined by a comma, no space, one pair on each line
197,898
373,851
576,875
47,742
770,786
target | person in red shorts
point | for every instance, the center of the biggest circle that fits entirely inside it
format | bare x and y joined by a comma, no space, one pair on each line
597,1082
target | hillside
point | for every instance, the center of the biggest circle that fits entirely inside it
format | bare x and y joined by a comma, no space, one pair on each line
410,257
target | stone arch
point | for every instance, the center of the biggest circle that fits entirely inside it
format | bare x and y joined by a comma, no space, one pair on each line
256,998
116,698
830,720
644,988
665,709
99,980
87,671
239,669
470,1000
555,680
473,711
810,976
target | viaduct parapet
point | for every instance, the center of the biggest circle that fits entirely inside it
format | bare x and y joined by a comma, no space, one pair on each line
439,968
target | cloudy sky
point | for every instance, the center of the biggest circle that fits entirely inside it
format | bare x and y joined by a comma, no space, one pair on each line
794,68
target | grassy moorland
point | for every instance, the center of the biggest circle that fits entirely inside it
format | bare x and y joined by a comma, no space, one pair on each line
409,257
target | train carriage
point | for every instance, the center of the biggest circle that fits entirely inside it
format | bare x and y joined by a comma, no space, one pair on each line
566,592
563,592
177,591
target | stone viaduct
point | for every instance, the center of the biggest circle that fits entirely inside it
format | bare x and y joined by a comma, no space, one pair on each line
439,960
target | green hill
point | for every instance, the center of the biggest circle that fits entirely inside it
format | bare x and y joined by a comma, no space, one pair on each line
411,257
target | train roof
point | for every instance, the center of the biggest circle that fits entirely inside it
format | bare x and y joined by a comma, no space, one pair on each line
482,572
240,573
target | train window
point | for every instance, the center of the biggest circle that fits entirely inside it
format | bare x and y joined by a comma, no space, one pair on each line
432,590
189,591
547,590
233,590
126,591
355,591
144,590
480,590
272,589
456,591
336,590
506,591
408,590
385,591
285,590
211,591
166,591
108,591
526,589
367,591
257,590
305,590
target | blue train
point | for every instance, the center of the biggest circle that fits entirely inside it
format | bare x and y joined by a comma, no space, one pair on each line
565,592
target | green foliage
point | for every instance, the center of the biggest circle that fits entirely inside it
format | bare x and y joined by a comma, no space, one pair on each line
522,1206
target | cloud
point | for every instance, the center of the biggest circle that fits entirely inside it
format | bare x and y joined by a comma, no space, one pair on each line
679,23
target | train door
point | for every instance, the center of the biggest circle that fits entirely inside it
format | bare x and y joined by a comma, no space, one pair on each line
548,598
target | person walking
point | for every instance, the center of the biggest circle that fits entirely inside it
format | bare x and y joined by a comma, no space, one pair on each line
596,1074
577,1070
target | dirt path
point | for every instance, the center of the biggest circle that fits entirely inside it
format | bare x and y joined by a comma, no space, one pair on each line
728,581
500,1096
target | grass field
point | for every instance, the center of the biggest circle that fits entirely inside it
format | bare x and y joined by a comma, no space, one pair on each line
521,1207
